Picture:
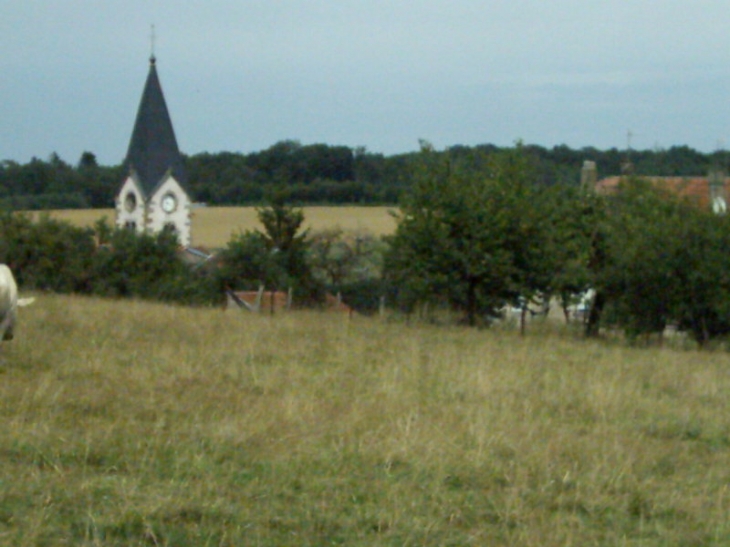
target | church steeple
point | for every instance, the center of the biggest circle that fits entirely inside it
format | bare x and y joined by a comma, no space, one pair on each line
153,149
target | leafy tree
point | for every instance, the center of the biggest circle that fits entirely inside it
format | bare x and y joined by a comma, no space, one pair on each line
571,216
148,266
275,257
471,242
662,261
638,254
282,225
338,257
349,263
47,254
247,262
87,161
702,276
287,245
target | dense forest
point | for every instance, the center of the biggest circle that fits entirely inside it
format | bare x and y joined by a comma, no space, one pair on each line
318,173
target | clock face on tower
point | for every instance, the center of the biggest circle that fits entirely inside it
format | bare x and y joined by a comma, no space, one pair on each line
169,203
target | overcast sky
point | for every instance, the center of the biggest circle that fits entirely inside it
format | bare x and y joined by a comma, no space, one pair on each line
241,75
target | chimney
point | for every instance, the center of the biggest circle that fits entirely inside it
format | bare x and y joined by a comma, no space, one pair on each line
588,175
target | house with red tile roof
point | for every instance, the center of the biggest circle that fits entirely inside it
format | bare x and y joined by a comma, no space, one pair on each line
711,191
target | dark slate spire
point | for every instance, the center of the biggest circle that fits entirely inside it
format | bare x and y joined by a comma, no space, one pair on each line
153,148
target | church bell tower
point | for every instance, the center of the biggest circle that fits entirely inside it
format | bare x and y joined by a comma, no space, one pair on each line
153,197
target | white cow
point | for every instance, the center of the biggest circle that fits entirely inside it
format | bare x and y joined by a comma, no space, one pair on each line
9,302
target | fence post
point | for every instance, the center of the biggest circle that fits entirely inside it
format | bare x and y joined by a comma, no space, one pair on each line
257,303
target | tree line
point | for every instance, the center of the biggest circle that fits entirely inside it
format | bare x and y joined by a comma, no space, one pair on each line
477,233
478,244
104,260
319,173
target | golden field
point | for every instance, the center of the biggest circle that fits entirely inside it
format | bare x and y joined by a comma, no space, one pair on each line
213,226
132,423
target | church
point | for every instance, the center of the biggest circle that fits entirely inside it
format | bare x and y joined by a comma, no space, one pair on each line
153,195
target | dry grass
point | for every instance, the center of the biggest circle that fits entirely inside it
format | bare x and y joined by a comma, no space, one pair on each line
213,226
128,423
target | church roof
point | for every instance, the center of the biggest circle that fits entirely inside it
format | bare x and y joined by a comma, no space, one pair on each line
153,148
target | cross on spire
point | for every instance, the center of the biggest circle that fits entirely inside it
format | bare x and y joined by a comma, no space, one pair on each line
152,44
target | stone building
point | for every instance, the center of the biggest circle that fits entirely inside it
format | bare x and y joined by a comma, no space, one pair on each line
153,197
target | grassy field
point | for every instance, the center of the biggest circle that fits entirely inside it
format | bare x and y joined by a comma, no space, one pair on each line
213,226
129,423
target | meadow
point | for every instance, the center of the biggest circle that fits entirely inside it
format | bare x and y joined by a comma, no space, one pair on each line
213,226
133,423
